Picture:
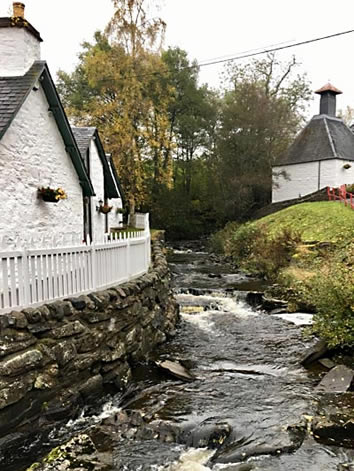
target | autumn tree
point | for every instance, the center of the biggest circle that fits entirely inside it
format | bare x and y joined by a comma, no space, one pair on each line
262,109
118,87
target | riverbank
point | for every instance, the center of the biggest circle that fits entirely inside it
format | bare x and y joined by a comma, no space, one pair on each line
307,252
58,358
251,405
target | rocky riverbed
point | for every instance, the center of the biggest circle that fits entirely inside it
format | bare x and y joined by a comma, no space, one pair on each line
250,404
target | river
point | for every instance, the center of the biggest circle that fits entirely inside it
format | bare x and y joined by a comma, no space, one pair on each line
250,403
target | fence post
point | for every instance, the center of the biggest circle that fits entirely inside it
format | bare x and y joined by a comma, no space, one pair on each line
93,265
329,193
128,256
26,278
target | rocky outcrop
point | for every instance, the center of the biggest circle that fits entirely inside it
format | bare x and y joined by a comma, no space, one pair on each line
59,355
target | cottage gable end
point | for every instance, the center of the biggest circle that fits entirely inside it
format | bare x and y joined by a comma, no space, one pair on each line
33,155
13,93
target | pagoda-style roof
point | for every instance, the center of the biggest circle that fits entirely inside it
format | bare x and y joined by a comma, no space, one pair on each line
323,138
328,88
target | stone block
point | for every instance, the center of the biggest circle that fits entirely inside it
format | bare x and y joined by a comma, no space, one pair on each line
46,347
113,295
68,330
4,322
60,309
65,351
115,354
89,341
32,315
92,387
84,361
16,390
146,317
93,317
12,341
39,328
20,363
78,303
48,378
121,292
100,298
17,319
45,312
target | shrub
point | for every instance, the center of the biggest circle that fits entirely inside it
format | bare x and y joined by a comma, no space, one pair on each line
243,241
350,188
256,252
220,241
269,255
253,250
332,292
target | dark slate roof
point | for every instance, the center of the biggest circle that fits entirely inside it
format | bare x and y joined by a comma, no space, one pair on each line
323,138
20,23
83,136
13,93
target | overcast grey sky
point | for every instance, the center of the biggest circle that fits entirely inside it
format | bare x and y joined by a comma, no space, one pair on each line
213,28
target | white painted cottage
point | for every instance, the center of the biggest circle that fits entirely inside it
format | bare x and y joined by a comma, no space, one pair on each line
322,154
38,148
109,195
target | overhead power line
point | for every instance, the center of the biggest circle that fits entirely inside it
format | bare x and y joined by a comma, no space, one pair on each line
248,55
275,49
248,51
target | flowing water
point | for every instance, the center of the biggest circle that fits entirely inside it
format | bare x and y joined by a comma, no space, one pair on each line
250,403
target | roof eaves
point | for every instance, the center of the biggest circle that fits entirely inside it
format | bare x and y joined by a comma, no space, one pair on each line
65,130
110,188
116,179
330,138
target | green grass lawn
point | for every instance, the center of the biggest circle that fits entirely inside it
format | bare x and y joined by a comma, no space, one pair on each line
125,230
321,221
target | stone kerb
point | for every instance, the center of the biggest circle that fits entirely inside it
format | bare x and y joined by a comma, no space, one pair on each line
54,357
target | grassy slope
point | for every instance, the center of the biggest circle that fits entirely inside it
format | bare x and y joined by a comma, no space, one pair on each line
321,221
323,278
316,270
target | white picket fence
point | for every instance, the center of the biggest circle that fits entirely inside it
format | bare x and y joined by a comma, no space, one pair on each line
42,271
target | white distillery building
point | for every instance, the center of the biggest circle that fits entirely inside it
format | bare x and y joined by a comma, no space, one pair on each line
322,154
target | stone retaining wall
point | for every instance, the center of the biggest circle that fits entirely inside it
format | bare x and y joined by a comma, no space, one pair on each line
55,357
320,195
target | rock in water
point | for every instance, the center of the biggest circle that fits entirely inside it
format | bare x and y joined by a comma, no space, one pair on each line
327,363
175,369
319,350
338,380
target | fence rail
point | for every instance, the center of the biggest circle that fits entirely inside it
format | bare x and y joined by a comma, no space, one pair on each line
341,194
31,276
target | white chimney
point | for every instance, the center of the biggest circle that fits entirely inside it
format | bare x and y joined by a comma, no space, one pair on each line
20,43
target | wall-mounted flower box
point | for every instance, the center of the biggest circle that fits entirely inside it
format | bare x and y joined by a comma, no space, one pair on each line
105,209
51,195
